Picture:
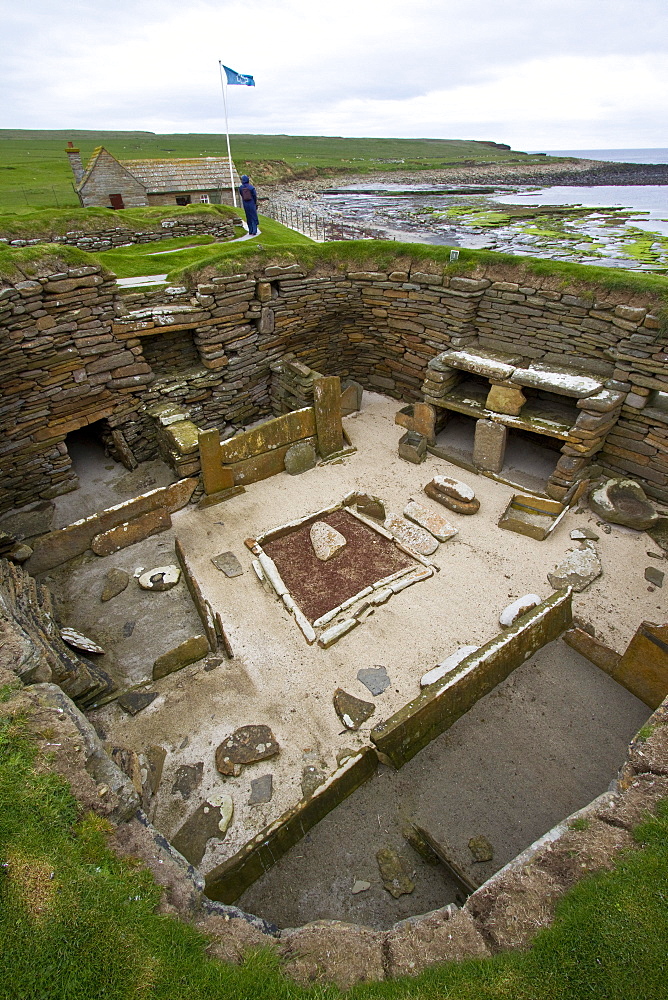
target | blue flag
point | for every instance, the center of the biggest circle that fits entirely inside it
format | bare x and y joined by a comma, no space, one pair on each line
238,78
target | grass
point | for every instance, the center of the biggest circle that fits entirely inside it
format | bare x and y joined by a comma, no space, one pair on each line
77,923
35,173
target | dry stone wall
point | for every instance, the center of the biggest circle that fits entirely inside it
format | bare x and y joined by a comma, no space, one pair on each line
118,236
74,351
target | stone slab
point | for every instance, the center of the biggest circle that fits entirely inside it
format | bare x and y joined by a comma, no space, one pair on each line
489,445
59,546
643,668
327,409
215,477
130,532
563,381
254,470
275,433
187,652
198,829
228,564
412,535
430,520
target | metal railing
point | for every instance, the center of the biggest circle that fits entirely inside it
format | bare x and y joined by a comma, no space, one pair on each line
318,227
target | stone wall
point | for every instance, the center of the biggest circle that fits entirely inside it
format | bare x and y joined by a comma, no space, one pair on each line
117,236
73,353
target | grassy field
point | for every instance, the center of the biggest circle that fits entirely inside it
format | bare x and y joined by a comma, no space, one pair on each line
35,173
78,923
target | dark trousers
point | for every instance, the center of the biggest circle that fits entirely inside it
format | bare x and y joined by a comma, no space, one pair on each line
251,216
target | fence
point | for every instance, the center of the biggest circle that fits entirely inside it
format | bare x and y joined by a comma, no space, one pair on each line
317,227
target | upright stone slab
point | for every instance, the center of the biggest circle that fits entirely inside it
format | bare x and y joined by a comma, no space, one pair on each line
216,477
489,446
424,421
327,407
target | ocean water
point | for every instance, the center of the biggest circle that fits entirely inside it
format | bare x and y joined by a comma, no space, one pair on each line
658,155
650,198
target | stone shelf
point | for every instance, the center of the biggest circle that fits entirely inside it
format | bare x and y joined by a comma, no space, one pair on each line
538,415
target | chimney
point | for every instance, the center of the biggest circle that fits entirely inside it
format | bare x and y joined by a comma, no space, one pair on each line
74,156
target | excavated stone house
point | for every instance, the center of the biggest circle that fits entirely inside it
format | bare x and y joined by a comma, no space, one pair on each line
109,183
583,374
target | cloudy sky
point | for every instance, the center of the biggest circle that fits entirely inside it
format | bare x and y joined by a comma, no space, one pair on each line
538,74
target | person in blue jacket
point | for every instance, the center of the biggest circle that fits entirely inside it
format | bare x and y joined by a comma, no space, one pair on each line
249,202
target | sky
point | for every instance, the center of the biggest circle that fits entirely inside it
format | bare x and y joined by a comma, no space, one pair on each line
537,74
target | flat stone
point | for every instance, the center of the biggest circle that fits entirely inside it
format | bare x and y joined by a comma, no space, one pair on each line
430,521
79,641
133,702
578,569
489,445
336,632
193,649
188,777
136,530
262,790
224,802
228,563
623,501
584,534
395,872
353,712
563,381
245,746
115,583
488,363
446,665
359,885
654,576
312,779
326,540
454,488
510,614
161,578
375,679
198,829
458,506
412,535
19,552
27,523
481,849
300,457
659,533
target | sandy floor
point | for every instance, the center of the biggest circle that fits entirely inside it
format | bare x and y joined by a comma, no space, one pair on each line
275,678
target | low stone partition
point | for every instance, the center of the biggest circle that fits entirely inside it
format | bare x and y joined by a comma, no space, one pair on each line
229,880
120,236
440,704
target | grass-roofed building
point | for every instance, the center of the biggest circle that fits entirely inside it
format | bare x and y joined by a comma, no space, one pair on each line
109,183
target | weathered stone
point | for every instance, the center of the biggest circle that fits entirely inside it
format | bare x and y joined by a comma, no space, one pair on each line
228,563
430,521
245,746
654,576
446,935
133,531
359,885
489,445
224,802
412,535
578,569
563,381
188,777
327,409
133,702
79,641
413,447
623,501
300,457
592,649
584,534
216,477
458,506
312,778
198,829
326,951
327,542
395,872
643,668
374,678
161,578
658,532
279,432
262,790
353,712
505,399
481,849
351,398
115,583
510,614
371,506
488,363
187,652
448,664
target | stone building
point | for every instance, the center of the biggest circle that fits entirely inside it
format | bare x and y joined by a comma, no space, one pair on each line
109,183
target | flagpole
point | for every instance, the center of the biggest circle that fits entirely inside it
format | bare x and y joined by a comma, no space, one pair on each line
227,133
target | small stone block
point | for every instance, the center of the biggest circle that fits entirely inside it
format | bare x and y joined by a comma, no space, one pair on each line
187,652
489,445
115,583
262,790
353,712
374,678
654,576
133,702
413,447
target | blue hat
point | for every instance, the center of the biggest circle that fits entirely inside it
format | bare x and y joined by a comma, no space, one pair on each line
244,179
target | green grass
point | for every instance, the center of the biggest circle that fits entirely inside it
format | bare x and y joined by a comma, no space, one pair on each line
77,923
35,172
